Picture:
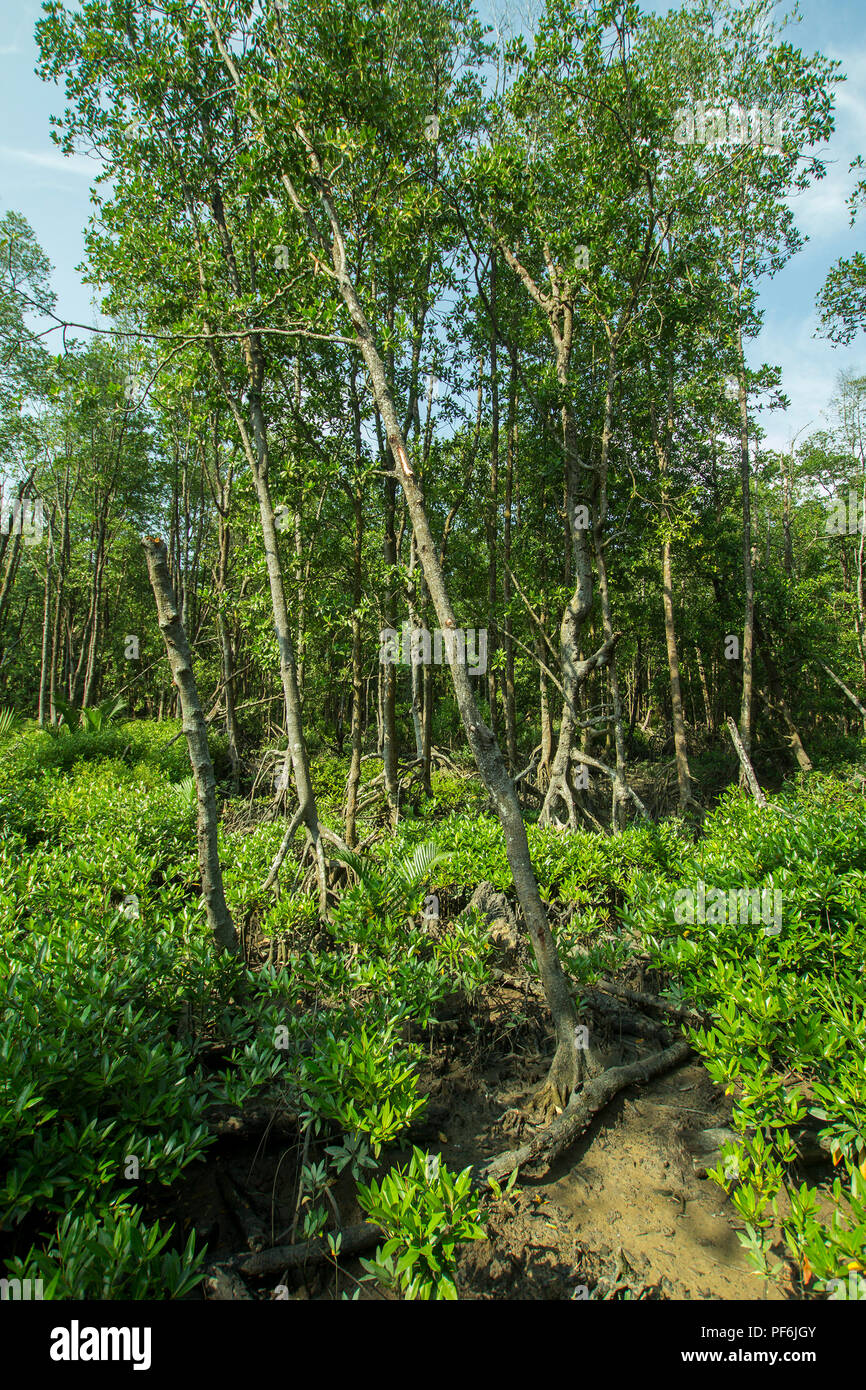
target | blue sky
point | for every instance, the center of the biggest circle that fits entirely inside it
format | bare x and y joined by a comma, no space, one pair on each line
53,193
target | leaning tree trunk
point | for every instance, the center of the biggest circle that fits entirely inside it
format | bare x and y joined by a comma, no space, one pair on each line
567,1068
620,787
680,747
748,569
180,660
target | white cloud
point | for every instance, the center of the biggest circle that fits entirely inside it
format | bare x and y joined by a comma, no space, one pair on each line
810,369
44,159
821,211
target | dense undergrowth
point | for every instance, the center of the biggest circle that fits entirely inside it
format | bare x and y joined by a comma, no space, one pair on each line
113,1004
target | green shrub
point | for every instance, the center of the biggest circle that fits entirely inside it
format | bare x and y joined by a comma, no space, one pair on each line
111,1256
425,1211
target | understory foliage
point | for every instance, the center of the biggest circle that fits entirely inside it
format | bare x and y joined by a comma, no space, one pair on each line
112,995
786,1009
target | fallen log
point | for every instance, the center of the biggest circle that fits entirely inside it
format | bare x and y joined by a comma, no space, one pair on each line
626,1021
706,1146
652,1003
748,770
248,1221
354,1239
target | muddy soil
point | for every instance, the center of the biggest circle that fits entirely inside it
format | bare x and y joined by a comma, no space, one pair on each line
622,1215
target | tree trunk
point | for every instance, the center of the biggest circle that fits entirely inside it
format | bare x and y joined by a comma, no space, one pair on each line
679,723
389,673
748,572
256,450
663,444
427,731
45,648
776,699
620,792
492,508
861,579
194,727
560,789
545,717
228,656
705,691
511,453
567,1069
357,672
416,663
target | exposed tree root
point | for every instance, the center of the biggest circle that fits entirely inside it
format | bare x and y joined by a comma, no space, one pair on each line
558,792
653,1004
559,789
572,1066
353,1240
581,1110
691,807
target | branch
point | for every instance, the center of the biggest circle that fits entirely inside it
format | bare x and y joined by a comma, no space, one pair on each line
283,850
743,756
842,686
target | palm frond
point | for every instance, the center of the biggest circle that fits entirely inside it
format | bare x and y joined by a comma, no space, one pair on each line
184,793
417,867
393,888
367,871
67,713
